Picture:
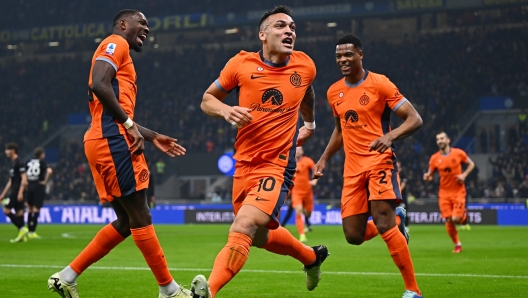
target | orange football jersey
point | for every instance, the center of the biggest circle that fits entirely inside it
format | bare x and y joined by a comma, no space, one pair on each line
364,110
303,176
449,166
274,93
114,50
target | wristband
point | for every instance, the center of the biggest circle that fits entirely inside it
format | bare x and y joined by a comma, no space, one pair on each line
310,125
128,123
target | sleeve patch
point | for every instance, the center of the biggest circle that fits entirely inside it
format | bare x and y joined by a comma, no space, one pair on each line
110,48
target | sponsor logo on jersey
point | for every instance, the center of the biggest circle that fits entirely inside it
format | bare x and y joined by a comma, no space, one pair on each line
110,48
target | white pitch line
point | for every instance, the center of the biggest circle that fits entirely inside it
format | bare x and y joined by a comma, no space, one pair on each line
276,271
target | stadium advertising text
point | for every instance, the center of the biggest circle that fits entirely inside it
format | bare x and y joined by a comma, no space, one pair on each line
222,213
101,29
418,4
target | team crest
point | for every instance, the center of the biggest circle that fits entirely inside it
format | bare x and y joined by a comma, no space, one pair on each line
351,115
364,99
272,95
143,176
295,79
260,68
341,94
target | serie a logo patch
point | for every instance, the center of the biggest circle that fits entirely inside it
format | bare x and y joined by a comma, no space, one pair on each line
110,48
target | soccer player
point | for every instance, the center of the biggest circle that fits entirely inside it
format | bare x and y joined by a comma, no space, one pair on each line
362,103
452,191
114,148
301,194
38,174
272,86
15,187
302,190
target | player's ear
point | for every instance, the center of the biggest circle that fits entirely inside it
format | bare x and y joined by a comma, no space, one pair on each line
122,24
262,35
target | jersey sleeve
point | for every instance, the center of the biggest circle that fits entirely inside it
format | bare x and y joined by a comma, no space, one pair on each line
392,95
463,156
113,51
331,101
21,167
311,163
228,80
432,167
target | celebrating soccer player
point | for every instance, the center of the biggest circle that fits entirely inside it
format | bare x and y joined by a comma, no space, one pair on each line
452,193
272,86
114,147
362,103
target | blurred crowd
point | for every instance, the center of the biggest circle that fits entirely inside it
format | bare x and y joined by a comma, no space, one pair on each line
442,74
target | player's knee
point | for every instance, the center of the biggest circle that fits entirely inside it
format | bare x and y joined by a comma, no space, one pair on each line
122,227
7,211
354,238
244,225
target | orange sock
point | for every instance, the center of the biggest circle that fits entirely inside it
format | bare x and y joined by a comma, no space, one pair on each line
282,242
299,222
229,261
371,232
452,231
104,241
401,256
147,242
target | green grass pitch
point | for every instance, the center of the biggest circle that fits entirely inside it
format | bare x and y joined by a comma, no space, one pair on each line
494,263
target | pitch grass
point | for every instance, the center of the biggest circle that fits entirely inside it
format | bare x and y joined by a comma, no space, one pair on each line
494,264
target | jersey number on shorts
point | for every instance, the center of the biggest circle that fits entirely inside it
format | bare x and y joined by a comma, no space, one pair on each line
383,176
267,184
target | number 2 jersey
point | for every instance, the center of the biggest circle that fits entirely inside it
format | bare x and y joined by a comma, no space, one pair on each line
364,111
274,93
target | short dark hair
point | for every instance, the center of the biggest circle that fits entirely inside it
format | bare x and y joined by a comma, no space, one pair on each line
349,38
12,146
123,13
39,151
441,132
278,9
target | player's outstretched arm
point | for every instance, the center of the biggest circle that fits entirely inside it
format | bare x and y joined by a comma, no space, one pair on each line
335,143
102,75
307,110
164,143
213,106
412,122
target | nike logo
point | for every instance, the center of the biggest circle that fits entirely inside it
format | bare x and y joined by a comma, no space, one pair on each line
260,199
256,77
339,103
380,192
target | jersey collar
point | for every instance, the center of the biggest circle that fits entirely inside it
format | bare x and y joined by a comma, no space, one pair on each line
266,61
360,81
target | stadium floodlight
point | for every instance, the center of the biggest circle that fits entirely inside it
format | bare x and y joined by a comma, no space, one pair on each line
332,24
53,43
11,46
152,38
156,45
98,40
231,31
